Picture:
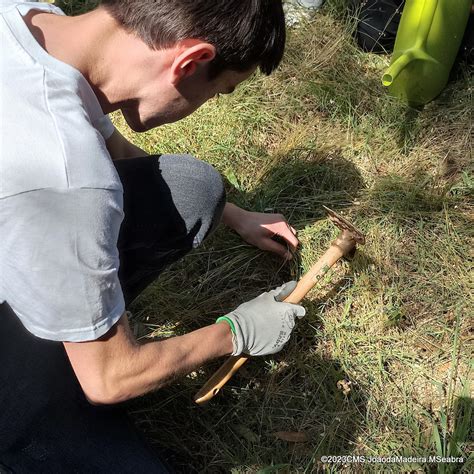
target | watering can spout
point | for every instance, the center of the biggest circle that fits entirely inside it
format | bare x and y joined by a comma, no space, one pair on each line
402,62
396,68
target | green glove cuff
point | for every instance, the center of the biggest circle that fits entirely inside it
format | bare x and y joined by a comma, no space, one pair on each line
228,321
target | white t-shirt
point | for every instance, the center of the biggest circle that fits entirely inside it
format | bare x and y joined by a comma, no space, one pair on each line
61,199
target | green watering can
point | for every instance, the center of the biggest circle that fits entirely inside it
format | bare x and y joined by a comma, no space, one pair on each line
428,40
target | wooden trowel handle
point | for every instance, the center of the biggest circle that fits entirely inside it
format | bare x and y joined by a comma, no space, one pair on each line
233,363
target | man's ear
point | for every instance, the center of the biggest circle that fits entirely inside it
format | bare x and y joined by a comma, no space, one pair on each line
187,61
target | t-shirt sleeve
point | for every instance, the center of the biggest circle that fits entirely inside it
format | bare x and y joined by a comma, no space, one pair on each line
60,261
105,126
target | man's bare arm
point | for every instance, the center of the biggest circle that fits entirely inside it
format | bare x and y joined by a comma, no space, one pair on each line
120,148
116,367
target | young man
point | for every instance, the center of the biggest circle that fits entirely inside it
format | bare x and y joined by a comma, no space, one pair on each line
87,221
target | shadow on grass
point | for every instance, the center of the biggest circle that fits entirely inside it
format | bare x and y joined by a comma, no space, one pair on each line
461,443
300,187
268,395
410,128
455,441
397,196
296,390
241,427
418,199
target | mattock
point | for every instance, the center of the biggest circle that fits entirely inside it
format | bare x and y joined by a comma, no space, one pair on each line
343,246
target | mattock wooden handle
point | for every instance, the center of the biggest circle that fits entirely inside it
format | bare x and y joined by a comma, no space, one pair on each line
344,245
212,387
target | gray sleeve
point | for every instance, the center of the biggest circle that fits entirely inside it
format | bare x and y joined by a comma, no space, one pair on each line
60,261
105,126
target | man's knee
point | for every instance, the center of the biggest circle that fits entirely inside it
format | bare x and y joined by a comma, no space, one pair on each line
198,193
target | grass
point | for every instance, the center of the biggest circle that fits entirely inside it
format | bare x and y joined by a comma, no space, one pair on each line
395,324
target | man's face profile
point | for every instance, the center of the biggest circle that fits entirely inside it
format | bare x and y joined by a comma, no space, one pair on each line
168,103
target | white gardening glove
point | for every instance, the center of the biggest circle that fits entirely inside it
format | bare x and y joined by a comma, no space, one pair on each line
263,325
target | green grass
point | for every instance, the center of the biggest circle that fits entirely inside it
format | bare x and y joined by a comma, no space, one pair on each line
396,322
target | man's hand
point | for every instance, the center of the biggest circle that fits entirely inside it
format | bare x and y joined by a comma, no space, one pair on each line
263,325
115,367
257,228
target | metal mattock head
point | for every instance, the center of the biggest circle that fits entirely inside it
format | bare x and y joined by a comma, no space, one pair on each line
344,224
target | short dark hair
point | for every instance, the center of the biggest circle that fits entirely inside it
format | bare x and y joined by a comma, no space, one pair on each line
245,33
